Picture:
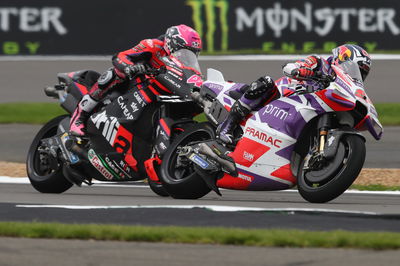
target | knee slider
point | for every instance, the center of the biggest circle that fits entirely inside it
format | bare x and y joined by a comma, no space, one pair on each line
259,88
106,78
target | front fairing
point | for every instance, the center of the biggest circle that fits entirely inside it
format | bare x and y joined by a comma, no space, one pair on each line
181,75
370,121
348,88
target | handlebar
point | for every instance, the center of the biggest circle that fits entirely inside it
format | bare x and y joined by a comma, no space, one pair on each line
320,76
153,72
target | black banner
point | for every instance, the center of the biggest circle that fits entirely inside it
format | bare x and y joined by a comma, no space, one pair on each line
71,27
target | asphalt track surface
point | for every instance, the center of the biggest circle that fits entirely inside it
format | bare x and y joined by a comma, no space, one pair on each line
127,206
23,81
14,251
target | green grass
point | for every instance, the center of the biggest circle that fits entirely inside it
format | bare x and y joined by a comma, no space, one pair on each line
31,113
389,113
40,113
208,235
375,187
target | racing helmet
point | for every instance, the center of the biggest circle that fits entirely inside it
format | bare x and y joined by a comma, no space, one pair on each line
355,53
182,37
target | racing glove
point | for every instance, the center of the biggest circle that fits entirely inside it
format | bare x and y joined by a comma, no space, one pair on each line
305,72
303,69
133,70
294,70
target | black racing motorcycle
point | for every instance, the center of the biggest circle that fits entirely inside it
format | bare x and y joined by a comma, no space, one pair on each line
116,147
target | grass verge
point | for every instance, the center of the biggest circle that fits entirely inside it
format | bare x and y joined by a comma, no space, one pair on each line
375,187
29,113
389,113
209,235
40,113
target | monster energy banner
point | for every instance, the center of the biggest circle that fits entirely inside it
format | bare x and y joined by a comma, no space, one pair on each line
296,26
31,27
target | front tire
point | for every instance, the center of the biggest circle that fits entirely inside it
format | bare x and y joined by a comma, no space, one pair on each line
348,163
42,177
183,182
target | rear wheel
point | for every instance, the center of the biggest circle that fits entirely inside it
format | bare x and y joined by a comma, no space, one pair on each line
336,176
179,178
157,187
42,175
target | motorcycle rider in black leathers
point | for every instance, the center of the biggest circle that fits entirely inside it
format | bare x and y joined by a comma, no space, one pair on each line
128,64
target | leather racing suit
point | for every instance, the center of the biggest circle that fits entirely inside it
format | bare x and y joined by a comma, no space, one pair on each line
126,64
265,90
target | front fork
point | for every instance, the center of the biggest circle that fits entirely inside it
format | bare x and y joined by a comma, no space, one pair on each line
324,124
316,157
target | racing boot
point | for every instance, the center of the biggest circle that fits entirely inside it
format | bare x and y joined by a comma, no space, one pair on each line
259,93
237,113
81,114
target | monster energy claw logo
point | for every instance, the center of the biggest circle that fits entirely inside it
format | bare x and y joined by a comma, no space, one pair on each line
209,8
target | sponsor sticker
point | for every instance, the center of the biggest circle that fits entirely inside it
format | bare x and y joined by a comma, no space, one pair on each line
263,136
248,156
199,161
245,177
125,109
96,162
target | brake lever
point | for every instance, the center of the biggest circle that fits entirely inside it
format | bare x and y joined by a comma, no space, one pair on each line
156,71
150,72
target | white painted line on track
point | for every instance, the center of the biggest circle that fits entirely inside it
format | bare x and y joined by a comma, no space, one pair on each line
14,180
260,57
25,180
216,208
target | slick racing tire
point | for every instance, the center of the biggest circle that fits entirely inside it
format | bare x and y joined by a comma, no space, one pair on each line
157,188
326,184
42,177
182,182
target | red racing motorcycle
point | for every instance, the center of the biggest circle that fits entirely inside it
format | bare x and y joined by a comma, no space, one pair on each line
115,148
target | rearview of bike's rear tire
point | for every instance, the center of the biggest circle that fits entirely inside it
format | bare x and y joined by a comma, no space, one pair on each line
42,177
343,170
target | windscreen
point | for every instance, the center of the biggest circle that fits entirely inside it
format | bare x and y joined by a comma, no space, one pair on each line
188,58
351,68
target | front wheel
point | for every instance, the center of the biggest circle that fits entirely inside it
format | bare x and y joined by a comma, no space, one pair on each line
179,178
337,175
43,177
